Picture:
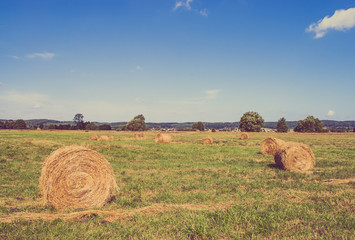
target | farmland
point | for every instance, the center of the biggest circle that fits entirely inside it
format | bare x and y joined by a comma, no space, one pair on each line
183,189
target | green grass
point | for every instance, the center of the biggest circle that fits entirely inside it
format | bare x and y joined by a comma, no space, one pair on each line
259,200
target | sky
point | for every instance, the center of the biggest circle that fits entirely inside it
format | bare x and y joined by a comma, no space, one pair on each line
177,60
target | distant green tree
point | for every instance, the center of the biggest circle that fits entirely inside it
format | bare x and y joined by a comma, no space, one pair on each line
282,125
136,124
41,126
9,124
2,125
52,126
213,130
20,124
251,122
79,121
309,124
91,126
198,126
105,127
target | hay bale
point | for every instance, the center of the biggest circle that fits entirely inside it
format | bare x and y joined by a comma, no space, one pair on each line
94,137
103,138
110,137
138,136
76,177
207,141
270,146
244,136
294,157
162,138
38,129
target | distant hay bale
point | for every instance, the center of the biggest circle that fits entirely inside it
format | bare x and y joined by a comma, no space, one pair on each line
294,157
207,141
138,136
94,137
270,145
76,177
103,138
162,138
38,129
110,137
244,136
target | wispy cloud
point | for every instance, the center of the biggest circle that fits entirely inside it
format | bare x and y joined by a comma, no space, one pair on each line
341,20
44,55
331,113
212,94
139,100
204,12
208,95
16,57
137,68
1,84
183,4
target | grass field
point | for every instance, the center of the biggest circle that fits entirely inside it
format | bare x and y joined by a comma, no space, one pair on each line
185,190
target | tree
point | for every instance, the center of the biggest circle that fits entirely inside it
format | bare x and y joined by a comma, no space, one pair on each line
20,124
251,122
199,126
79,121
9,124
91,126
281,125
309,124
105,127
136,124
2,125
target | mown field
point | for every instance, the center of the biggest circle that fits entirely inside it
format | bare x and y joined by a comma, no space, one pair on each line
185,190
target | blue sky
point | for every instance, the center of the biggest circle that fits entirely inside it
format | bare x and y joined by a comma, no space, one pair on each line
188,60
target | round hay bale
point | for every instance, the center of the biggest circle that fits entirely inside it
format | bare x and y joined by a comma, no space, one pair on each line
103,138
76,177
38,129
110,137
294,157
270,146
162,138
244,136
138,136
94,137
207,141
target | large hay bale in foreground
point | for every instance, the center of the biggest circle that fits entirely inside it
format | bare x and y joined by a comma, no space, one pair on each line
294,157
270,146
76,177
162,138
94,137
244,136
207,141
138,136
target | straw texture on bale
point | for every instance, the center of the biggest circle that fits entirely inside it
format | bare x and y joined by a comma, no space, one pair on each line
294,157
94,137
76,177
270,146
244,136
110,137
162,138
138,135
103,138
207,141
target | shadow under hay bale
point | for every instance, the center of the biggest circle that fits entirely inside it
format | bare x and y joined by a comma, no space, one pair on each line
207,141
244,136
162,138
76,177
138,136
294,157
270,146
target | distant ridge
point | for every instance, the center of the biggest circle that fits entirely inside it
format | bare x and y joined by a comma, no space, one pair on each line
182,125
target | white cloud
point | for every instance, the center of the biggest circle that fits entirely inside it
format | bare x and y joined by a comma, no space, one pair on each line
16,57
331,113
213,93
138,68
184,4
341,20
204,12
44,55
